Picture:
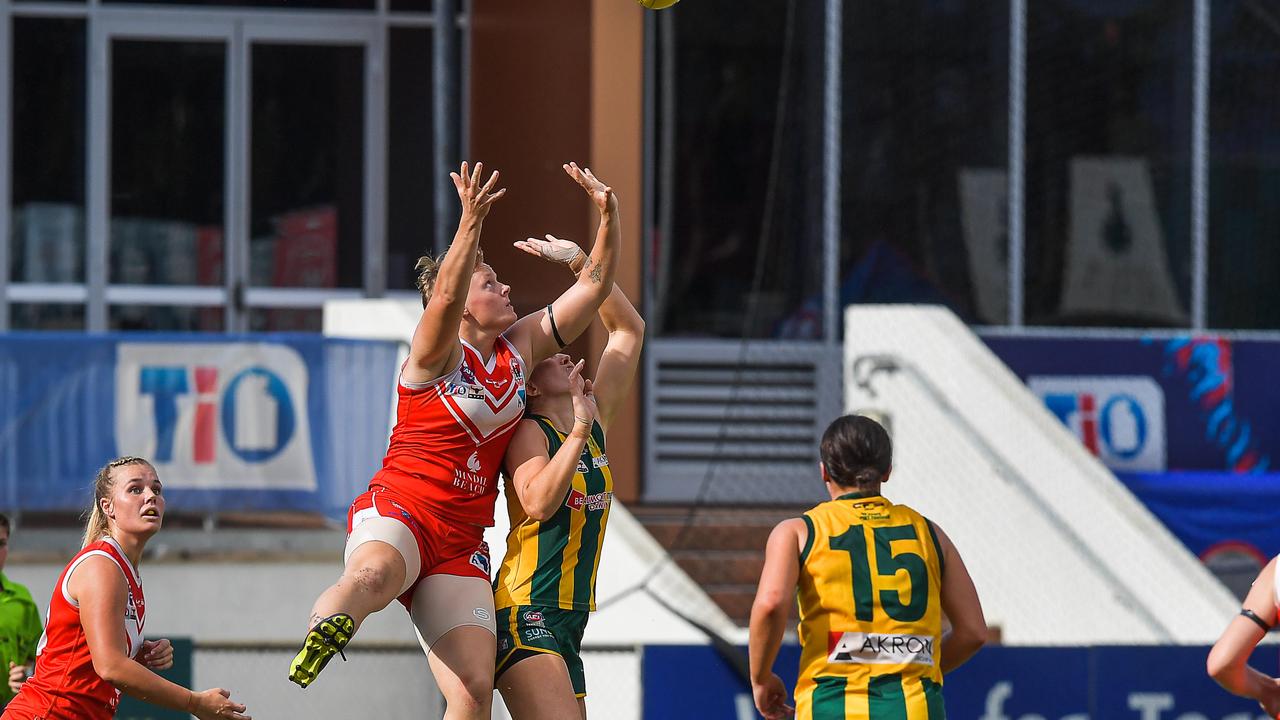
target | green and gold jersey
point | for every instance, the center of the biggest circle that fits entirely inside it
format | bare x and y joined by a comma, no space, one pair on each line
870,613
553,563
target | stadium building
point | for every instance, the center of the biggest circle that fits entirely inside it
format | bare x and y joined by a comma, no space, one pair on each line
1035,238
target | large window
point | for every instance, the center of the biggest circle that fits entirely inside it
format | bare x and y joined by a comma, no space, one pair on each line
738,246
47,241
1108,140
1244,179
923,171
224,171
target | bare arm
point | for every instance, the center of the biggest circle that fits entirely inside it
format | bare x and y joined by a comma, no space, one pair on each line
435,348
774,595
102,593
541,482
960,603
575,309
621,356
1228,661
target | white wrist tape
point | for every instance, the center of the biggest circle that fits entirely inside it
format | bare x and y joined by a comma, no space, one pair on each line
559,254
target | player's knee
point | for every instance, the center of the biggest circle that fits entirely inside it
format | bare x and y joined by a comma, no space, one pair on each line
377,579
471,689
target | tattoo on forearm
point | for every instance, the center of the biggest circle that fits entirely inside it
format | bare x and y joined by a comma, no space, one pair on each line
596,274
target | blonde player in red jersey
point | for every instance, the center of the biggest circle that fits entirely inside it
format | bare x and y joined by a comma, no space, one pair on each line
417,535
873,580
92,648
1228,662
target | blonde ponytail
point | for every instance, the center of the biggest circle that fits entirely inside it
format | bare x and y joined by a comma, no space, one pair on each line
97,527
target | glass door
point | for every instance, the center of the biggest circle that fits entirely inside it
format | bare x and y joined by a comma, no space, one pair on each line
234,188
312,214
159,214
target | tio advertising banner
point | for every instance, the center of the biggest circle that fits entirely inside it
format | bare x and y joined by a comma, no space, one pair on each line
273,422
999,683
1190,424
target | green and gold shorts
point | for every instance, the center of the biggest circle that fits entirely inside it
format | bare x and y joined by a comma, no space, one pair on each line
525,631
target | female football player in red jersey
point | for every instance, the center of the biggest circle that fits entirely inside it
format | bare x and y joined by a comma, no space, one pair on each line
1228,662
417,534
92,649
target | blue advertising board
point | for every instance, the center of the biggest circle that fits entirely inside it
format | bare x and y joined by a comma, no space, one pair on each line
999,683
1190,424
263,422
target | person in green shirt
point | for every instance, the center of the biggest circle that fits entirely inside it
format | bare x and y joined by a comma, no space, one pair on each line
20,625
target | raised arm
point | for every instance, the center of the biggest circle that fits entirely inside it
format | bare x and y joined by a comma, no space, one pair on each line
536,333
102,594
539,481
435,347
774,595
960,602
621,356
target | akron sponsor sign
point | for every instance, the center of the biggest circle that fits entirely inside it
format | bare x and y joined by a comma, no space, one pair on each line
216,415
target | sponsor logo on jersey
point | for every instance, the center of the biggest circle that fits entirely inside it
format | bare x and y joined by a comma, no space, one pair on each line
480,559
467,374
1118,418
879,648
473,462
579,500
470,392
599,462
496,383
533,617
582,467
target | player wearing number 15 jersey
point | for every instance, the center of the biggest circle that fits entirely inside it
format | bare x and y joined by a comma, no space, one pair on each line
874,580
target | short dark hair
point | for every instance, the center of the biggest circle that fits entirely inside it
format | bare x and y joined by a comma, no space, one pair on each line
4,522
856,451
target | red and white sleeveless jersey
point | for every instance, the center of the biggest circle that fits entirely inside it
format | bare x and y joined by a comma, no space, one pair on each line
451,433
65,685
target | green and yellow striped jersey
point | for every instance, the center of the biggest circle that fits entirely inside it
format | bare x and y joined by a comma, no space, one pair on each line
554,563
870,613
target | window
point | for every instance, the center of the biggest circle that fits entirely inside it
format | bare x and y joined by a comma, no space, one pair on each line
741,179
1108,140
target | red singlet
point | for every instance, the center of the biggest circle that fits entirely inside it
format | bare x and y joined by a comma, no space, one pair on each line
451,433
65,686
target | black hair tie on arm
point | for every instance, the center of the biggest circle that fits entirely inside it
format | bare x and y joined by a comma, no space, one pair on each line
1254,617
554,330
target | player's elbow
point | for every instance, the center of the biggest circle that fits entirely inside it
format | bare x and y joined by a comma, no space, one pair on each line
1221,664
540,513
971,637
109,669
768,605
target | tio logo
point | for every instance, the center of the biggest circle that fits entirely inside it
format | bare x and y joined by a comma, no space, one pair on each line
257,416
1119,419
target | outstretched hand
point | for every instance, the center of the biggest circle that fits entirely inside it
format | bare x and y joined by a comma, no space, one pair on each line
476,198
553,249
601,194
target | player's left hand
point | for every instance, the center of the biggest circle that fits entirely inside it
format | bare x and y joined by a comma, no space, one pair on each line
601,194
553,248
156,654
771,699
